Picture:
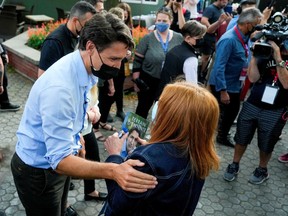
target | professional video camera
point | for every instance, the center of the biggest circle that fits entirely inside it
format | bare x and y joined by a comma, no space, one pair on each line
276,30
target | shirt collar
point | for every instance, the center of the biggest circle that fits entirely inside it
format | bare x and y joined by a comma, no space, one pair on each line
82,74
85,80
245,37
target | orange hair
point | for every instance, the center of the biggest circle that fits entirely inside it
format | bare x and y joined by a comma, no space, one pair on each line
187,116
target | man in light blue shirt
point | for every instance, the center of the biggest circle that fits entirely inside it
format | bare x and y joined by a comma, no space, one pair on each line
48,134
242,5
230,63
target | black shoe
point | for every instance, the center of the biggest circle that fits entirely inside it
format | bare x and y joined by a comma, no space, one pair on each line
70,211
121,115
101,197
72,186
227,141
109,118
5,107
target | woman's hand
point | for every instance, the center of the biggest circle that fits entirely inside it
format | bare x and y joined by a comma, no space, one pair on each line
113,144
111,90
82,151
1,90
136,75
94,114
141,141
111,87
224,97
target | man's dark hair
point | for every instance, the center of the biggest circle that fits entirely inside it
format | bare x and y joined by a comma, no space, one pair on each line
245,3
193,28
249,15
93,2
103,30
80,9
134,129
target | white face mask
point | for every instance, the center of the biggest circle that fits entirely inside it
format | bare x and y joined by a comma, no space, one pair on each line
154,111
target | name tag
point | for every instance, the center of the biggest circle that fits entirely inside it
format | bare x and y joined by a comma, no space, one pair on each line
243,74
270,94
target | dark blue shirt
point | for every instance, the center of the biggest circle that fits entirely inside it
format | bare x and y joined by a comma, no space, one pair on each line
177,192
212,12
229,61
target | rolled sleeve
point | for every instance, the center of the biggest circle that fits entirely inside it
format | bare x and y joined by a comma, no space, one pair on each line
141,49
222,57
56,109
115,159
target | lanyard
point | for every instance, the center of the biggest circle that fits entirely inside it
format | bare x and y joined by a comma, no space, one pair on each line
164,45
245,46
275,79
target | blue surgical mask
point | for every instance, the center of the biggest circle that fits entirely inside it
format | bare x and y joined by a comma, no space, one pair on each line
285,44
161,27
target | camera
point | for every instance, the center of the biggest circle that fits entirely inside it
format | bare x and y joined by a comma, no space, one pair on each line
276,31
179,1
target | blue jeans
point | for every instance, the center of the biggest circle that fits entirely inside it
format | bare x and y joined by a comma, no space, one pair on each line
41,191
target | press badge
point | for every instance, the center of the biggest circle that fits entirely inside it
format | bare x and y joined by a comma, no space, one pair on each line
270,94
243,74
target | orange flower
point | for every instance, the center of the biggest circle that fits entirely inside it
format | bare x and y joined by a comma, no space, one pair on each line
36,36
138,33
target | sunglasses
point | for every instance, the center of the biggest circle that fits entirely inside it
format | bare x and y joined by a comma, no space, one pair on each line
164,9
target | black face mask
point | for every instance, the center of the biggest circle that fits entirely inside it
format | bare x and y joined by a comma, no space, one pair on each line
199,43
105,72
250,31
77,31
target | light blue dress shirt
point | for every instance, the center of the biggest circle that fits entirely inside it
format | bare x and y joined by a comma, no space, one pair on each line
124,152
54,113
229,61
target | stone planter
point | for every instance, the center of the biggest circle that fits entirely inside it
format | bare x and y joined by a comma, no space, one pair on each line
24,59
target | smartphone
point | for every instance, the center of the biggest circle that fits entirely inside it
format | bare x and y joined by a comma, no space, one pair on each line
228,9
286,9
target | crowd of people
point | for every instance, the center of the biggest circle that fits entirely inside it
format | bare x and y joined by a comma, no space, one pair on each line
82,73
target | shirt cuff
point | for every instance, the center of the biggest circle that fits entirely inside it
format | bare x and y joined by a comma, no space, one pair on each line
114,159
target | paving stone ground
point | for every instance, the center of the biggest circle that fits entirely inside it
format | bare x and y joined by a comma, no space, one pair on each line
218,198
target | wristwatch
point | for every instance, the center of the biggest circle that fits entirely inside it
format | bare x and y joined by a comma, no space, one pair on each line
281,64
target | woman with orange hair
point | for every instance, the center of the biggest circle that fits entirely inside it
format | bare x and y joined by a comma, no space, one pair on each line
180,154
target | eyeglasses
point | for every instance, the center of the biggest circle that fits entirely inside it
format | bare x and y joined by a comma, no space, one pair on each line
80,24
